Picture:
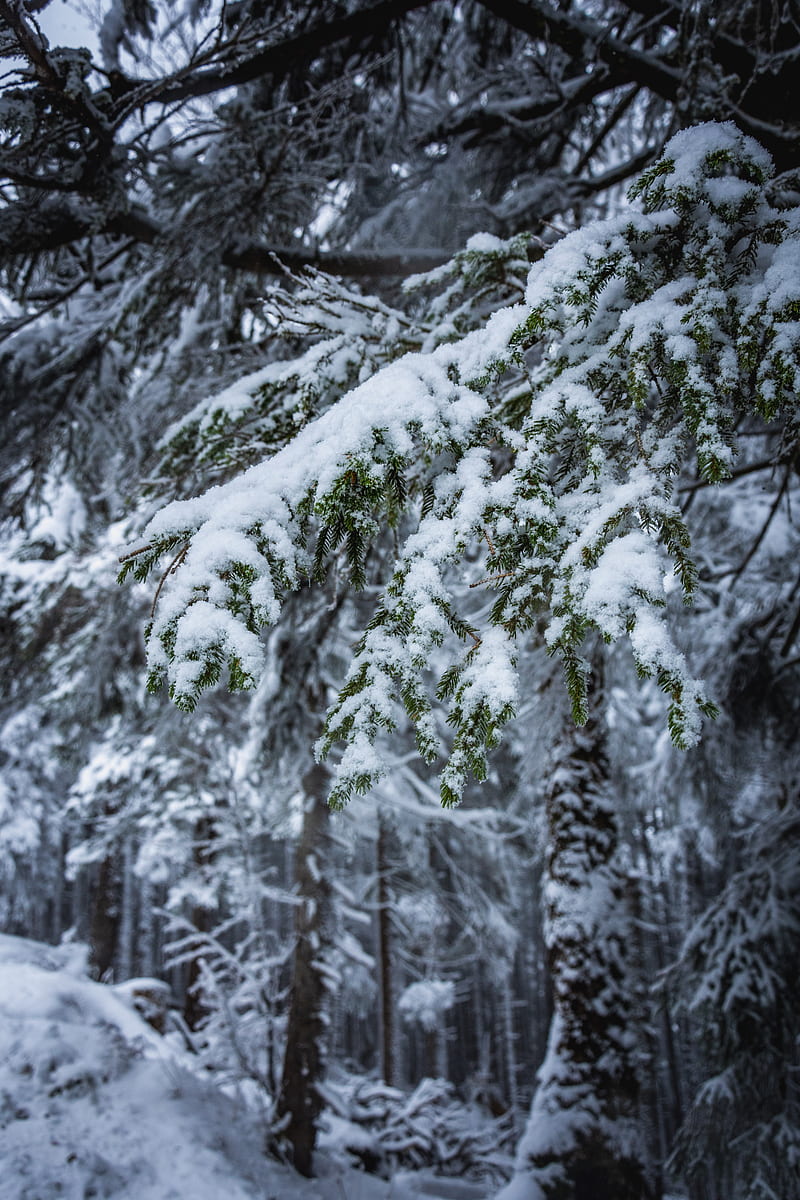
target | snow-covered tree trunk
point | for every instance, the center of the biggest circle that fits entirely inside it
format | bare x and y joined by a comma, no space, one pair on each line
300,1102
582,1140
658,919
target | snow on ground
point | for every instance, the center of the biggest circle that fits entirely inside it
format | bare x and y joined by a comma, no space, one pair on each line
95,1105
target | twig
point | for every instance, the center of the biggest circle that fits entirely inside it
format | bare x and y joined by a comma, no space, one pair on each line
748,469
133,553
762,532
492,578
173,566
21,322
794,629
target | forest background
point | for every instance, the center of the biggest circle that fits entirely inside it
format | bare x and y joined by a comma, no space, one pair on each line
213,227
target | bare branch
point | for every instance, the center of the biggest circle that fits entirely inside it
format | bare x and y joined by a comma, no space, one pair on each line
490,118
61,225
276,59
30,43
540,20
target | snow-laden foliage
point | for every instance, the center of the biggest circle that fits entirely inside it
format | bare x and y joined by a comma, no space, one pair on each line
354,336
640,342
426,1001
94,1103
738,971
239,994
388,1130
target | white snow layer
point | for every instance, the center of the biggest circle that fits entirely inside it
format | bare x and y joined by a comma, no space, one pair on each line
615,528
94,1103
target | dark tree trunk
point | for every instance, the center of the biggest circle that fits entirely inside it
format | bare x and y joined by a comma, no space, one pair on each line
669,1080
104,919
195,1011
582,1141
300,1102
388,1009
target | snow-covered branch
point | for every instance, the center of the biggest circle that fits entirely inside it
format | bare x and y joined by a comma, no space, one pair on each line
639,341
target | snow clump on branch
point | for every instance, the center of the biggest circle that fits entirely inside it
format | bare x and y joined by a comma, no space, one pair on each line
551,434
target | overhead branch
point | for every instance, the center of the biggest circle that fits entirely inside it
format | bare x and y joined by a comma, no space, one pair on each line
30,42
612,120
539,19
596,184
61,225
264,259
394,264
276,59
490,118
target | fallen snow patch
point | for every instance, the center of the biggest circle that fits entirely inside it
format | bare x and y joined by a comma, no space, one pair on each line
94,1103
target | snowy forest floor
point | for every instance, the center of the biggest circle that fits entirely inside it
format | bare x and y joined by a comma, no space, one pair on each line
94,1103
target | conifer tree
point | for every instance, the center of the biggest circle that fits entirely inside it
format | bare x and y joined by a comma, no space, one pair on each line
736,971
551,433
554,433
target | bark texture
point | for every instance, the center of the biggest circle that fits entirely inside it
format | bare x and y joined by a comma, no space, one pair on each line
583,1140
300,1102
386,958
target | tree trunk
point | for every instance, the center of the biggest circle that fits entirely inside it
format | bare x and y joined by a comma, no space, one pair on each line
195,1010
388,1000
127,925
510,1044
300,1102
582,1140
104,919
